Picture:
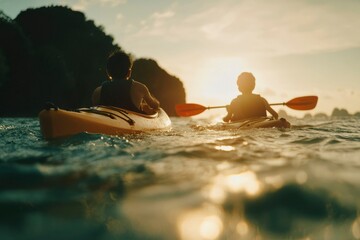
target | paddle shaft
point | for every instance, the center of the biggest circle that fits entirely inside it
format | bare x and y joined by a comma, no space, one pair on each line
277,104
216,107
299,103
271,104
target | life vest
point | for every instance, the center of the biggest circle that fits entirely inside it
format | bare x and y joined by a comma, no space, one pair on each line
247,106
117,93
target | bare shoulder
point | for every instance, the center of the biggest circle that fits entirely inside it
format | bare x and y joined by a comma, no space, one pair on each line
140,86
265,101
97,90
96,96
233,101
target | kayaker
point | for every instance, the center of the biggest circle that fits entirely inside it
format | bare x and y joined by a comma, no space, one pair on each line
247,105
121,91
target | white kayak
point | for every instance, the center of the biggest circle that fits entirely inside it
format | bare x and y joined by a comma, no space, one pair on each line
55,122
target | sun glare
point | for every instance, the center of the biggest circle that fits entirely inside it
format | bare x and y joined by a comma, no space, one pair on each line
213,81
215,78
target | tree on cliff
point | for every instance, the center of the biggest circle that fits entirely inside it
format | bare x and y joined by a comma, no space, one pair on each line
55,54
50,54
70,52
15,65
168,89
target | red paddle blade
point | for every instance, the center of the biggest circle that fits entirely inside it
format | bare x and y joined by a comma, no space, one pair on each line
189,109
303,103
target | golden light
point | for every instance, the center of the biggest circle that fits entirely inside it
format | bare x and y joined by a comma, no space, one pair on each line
275,181
246,181
223,166
202,224
242,228
217,194
355,228
211,227
223,184
215,78
225,148
301,177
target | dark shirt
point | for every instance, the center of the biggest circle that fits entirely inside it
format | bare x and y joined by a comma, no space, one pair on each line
117,93
247,106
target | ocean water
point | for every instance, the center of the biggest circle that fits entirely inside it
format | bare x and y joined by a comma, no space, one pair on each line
197,181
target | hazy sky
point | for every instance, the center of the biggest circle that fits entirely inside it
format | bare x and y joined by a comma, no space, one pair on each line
294,48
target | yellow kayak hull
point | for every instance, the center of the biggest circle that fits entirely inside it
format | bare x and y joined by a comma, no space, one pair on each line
56,123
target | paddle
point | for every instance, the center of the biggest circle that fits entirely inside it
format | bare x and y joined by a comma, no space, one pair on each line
299,103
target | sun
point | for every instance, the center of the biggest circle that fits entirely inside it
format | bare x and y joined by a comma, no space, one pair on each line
214,80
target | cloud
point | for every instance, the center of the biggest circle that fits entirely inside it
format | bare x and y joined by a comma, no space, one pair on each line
159,19
119,16
112,3
82,5
285,27
278,27
156,24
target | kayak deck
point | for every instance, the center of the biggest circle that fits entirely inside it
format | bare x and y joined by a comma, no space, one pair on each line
55,123
263,122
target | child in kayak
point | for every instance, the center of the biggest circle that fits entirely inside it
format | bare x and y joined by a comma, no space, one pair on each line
247,105
121,91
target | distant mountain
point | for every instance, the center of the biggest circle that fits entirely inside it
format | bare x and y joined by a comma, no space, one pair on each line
335,113
321,115
340,113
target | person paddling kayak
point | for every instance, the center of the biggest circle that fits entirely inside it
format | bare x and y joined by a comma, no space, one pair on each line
247,105
121,91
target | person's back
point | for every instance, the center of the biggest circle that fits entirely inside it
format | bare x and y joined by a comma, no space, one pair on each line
247,105
117,93
122,92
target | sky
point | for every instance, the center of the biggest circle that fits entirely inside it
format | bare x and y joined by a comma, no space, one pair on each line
293,48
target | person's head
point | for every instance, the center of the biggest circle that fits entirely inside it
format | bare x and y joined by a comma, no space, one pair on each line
119,65
246,82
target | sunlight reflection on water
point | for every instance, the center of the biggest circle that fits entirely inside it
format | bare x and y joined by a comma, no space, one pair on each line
243,182
203,223
225,148
191,183
246,181
356,228
222,185
206,222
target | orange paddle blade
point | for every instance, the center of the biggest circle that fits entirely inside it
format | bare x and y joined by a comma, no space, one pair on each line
189,109
303,103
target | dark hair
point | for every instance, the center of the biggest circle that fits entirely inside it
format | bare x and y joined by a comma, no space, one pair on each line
118,64
246,82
